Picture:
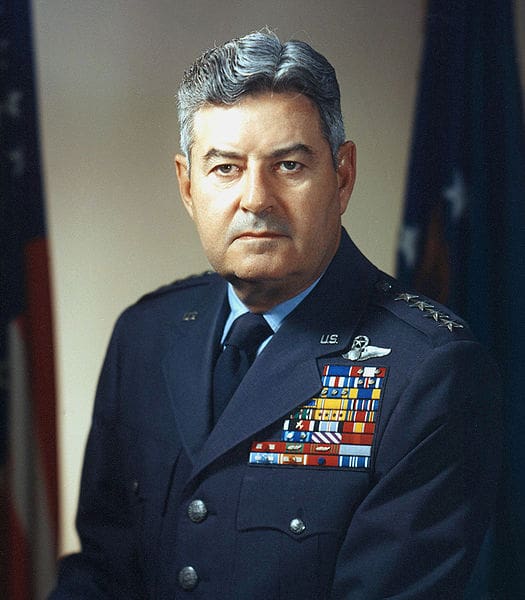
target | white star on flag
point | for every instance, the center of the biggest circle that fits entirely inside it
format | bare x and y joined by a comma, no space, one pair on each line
408,244
456,195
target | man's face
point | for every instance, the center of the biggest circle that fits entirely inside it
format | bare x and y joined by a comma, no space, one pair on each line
264,193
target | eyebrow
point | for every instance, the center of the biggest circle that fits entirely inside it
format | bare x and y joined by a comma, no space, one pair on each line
214,153
302,148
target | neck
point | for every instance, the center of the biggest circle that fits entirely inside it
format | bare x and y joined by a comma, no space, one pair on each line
259,297
262,297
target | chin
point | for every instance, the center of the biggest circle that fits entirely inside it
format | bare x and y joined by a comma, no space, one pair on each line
255,274
254,268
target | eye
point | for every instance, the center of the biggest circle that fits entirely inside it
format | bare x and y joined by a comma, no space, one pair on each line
289,166
225,169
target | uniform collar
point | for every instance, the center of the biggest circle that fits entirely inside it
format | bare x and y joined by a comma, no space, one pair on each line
274,317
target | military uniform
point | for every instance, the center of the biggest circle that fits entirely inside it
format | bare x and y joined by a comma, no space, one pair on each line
358,459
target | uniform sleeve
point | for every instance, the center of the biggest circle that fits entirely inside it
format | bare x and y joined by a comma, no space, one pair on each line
106,566
417,533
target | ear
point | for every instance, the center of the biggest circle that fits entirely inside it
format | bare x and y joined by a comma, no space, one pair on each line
346,172
183,175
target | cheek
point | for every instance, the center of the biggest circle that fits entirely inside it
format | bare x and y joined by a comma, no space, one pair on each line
316,222
212,228
317,230
204,216
210,211
209,229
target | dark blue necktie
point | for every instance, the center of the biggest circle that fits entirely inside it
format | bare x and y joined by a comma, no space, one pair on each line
246,334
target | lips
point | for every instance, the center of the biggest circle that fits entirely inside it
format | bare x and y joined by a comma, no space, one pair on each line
260,234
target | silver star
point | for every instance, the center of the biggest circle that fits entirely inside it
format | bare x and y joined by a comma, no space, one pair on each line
434,314
406,297
422,305
450,324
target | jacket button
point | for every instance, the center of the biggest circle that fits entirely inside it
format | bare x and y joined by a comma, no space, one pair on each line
197,511
188,578
297,526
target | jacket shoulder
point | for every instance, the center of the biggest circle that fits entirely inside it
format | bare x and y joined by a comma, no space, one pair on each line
170,304
438,323
179,285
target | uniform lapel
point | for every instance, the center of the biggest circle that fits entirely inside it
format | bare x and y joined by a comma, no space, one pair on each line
188,364
286,374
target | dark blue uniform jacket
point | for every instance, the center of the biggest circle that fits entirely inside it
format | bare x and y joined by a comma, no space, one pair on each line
391,499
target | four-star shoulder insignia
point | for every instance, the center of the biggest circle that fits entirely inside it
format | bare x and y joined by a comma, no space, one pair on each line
429,311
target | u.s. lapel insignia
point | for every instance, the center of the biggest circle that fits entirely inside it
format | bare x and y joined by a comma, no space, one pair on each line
329,338
362,350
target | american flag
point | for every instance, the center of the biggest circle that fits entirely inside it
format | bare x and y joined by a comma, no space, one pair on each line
28,457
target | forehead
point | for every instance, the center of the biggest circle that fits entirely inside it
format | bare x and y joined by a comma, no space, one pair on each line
267,120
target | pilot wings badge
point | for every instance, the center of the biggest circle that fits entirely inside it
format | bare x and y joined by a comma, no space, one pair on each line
362,350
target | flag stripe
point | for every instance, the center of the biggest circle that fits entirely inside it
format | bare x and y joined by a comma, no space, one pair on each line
42,369
19,466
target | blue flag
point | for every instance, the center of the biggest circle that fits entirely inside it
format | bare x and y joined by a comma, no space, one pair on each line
462,237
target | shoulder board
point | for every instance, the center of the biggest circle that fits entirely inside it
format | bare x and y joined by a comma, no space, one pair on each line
417,310
178,284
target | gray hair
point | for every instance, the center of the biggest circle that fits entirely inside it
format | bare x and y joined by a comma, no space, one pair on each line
257,63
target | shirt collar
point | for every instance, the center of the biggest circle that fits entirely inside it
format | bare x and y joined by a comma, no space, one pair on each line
274,317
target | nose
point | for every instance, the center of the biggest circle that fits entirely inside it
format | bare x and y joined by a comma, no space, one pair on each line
258,193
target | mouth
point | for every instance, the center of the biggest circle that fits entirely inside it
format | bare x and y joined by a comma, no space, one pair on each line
259,235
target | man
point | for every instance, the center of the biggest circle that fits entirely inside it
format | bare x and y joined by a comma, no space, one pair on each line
357,458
